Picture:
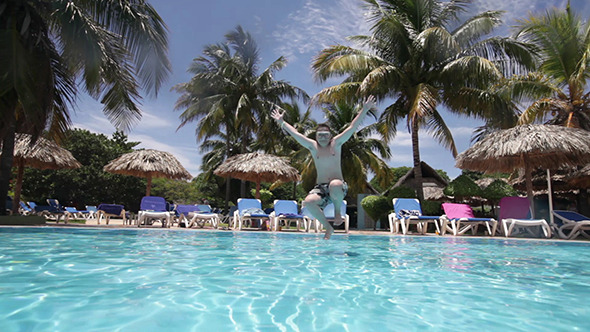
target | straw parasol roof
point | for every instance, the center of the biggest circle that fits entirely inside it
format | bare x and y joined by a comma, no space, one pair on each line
257,167
579,179
528,147
41,154
539,180
148,164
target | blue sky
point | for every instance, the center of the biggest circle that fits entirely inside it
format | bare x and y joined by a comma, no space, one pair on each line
296,29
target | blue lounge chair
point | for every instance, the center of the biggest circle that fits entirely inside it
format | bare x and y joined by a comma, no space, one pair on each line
154,208
25,210
184,213
516,212
203,215
56,210
570,224
111,210
461,219
249,210
287,212
92,210
407,211
72,212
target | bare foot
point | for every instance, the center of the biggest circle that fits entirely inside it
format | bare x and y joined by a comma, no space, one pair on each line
338,220
329,231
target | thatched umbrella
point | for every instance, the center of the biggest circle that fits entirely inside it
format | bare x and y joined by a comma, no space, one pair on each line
579,179
257,167
148,164
528,147
42,154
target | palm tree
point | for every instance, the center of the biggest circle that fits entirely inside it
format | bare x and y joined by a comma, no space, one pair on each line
227,92
413,57
560,83
113,47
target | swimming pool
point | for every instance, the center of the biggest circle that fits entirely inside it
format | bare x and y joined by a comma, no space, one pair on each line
73,279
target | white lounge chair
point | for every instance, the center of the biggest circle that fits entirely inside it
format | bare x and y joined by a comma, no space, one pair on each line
249,209
516,212
203,215
154,207
461,219
287,212
569,224
407,211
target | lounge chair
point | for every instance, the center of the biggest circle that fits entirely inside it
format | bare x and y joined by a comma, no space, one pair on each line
56,210
461,219
184,213
229,218
203,215
40,210
111,210
329,213
287,212
570,224
249,210
154,207
407,211
73,213
516,212
24,209
92,210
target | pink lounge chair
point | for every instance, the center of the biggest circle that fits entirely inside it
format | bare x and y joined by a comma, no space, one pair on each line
462,219
516,212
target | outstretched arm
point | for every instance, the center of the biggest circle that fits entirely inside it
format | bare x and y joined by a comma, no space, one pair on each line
300,138
347,133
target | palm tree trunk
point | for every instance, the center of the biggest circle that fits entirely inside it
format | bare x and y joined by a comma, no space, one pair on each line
228,180
244,150
18,187
417,164
7,155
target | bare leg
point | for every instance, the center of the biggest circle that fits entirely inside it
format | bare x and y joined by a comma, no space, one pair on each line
337,195
312,205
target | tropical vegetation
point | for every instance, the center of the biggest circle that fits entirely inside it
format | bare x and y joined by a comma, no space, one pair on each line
231,100
558,88
114,49
89,184
414,57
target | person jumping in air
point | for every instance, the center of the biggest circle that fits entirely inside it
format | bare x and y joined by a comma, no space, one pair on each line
327,156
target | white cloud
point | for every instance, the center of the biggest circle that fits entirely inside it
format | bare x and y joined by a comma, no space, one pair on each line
319,25
151,121
461,132
516,10
96,123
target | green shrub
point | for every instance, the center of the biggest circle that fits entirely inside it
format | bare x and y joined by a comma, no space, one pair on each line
402,192
377,207
266,197
498,189
431,208
463,186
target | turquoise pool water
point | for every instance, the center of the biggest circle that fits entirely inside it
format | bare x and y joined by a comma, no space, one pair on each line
65,279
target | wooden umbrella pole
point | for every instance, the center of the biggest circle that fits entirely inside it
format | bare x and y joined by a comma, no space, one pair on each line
258,190
529,186
550,196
